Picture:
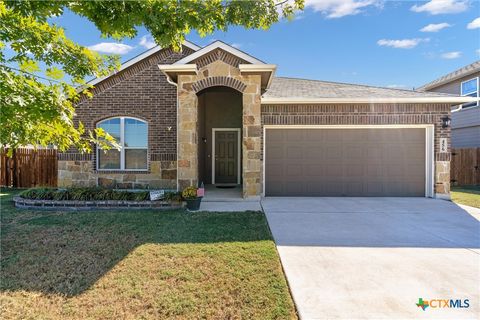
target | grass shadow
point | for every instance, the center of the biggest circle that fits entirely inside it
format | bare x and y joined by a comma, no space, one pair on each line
58,252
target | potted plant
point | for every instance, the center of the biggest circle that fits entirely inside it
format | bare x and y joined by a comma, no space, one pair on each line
192,199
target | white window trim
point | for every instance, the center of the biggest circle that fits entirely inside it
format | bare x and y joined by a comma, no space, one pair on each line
122,144
467,94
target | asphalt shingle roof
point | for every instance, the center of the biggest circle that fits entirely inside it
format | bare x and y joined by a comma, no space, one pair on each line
301,88
464,71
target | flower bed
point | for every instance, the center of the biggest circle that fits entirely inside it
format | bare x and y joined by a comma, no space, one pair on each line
93,198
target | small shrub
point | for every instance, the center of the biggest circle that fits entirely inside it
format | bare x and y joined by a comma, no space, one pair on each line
61,195
173,196
142,196
84,194
39,194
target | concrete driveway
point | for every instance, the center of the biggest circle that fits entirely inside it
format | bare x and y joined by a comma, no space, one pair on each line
373,258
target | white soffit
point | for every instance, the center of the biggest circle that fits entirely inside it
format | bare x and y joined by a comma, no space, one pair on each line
266,71
219,45
172,71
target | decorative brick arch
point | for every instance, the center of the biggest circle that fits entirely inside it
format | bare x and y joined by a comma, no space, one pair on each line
218,81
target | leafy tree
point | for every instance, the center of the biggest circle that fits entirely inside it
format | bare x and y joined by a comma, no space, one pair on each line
36,99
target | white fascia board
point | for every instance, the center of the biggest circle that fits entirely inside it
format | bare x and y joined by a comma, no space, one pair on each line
184,68
172,71
140,57
366,100
219,45
257,67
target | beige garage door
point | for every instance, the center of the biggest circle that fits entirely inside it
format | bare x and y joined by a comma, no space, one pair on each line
345,162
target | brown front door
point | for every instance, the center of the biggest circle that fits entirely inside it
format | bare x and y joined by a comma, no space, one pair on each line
226,156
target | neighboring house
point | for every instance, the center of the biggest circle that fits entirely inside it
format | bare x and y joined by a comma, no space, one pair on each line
218,115
466,117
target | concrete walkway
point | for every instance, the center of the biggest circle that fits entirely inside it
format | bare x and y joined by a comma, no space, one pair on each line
230,206
373,258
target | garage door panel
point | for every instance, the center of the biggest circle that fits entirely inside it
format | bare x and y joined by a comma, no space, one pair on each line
333,152
295,135
345,162
294,170
356,170
294,152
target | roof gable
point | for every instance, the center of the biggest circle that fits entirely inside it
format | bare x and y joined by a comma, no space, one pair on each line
452,76
139,58
219,47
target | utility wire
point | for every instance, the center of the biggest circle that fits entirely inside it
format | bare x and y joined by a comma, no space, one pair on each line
29,73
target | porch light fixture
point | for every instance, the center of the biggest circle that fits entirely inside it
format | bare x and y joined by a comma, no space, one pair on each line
446,122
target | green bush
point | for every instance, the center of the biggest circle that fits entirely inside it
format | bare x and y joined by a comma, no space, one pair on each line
173,196
84,194
39,194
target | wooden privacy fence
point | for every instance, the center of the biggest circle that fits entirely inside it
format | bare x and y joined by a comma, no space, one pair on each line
29,168
465,166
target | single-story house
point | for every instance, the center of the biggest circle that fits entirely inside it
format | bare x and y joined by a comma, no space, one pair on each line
465,117
220,116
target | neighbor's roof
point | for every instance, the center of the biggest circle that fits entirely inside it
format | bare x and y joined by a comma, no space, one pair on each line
457,74
292,90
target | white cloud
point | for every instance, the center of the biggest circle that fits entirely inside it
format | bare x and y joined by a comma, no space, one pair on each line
478,51
340,8
442,6
147,42
475,24
451,55
111,47
236,45
435,27
401,44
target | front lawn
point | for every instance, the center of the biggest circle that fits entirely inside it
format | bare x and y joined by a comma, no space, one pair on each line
468,195
139,265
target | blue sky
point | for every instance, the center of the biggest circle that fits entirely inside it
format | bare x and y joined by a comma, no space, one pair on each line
358,41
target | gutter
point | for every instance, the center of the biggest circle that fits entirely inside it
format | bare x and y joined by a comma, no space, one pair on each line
447,99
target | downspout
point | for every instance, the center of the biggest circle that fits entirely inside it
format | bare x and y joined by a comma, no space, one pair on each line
169,80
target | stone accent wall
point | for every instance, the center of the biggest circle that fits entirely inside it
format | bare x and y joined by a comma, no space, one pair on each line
140,91
219,73
442,177
162,175
367,114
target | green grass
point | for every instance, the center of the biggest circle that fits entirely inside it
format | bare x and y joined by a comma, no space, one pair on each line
139,265
468,195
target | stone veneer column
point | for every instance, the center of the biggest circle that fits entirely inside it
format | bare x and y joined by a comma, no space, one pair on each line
187,133
442,179
252,133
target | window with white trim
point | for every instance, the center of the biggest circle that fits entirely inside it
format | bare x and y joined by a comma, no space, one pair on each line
470,88
132,135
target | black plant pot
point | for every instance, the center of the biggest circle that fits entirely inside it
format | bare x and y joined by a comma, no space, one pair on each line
193,204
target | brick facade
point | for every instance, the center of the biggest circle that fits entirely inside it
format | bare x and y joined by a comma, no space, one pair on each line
371,114
140,91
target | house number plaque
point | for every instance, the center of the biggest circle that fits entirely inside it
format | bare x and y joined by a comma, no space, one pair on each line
443,145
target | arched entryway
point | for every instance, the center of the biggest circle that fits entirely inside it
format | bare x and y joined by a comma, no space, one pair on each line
215,78
220,136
